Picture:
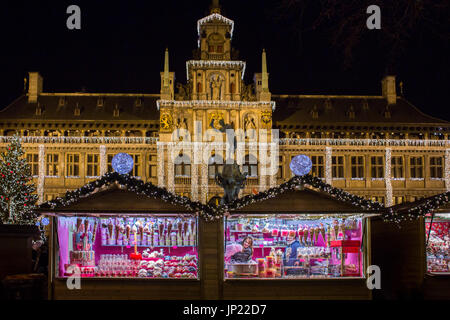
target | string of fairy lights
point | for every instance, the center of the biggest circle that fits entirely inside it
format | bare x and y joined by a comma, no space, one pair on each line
208,212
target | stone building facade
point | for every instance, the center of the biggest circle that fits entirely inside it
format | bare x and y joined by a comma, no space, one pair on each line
381,147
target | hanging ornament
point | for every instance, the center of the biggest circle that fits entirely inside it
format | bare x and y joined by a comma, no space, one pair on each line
122,163
301,165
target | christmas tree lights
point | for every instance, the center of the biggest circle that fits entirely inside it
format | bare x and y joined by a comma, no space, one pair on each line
17,201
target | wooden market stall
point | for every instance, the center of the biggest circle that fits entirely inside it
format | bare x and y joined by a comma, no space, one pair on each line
100,213
418,262
299,282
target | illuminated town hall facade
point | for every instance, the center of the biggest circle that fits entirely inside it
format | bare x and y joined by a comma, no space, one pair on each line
380,147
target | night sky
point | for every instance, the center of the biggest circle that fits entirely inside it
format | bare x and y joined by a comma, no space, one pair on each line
121,45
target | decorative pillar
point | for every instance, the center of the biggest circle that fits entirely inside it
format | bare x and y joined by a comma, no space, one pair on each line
41,178
103,161
387,177
328,165
447,169
160,155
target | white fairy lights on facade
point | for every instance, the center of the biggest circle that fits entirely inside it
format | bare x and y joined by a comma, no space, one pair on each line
161,156
328,164
103,160
41,179
218,17
387,177
206,104
447,169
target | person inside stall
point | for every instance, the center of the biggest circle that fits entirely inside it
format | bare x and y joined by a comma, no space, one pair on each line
290,254
246,253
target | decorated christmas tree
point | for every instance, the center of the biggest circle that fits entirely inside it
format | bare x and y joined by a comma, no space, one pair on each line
17,200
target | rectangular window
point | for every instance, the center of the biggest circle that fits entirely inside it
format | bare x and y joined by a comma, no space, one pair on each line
280,167
337,167
397,171
377,167
219,49
357,163
416,167
378,199
437,245
317,167
436,167
292,237
72,165
92,165
52,165
33,161
398,200
108,256
152,168
137,165
109,161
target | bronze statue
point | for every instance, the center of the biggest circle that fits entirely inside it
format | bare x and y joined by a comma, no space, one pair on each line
231,179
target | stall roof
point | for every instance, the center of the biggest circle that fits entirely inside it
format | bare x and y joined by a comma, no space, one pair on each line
115,199
439,203
302,200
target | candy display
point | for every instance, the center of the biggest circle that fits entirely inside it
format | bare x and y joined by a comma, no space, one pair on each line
129,247
293,246
438,248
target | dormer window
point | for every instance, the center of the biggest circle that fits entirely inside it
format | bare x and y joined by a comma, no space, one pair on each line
61,102
210,48
38,110
77,110
100,102
116,111
138,102
219,49
315,113
351,113
328,104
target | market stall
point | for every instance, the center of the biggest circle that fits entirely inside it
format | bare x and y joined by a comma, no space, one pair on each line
124,245
418,262
300,244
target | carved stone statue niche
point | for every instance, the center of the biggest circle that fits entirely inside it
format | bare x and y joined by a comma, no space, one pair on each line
184,91
216,87
231,179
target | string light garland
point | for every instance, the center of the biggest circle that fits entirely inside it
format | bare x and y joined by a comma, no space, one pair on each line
209,212
328,165
420,209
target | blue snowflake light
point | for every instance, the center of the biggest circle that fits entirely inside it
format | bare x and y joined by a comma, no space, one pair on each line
45,221
301,165
122,163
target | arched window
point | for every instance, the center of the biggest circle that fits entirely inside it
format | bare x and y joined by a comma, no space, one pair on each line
250,166
182,166
215,165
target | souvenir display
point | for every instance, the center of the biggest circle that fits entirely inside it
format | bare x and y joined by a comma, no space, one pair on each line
293,246
438,244
144,247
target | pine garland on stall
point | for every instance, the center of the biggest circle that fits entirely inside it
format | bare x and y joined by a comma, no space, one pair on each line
17,201
208,212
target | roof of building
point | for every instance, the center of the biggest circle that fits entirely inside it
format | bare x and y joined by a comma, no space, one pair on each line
328,109
87,103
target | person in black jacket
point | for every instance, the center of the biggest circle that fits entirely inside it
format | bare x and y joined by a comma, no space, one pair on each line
247,251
